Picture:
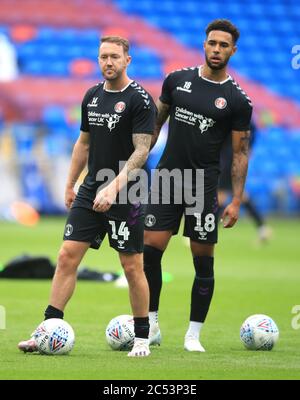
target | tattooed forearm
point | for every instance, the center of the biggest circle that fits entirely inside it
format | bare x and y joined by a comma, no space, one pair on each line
245,139
238,174
138,158
240,141
163,111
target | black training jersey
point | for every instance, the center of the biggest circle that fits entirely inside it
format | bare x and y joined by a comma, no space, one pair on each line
111,118
202,115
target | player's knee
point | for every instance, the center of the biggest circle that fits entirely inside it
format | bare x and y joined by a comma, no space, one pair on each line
152,256
66,260
132,271
200,249
204,267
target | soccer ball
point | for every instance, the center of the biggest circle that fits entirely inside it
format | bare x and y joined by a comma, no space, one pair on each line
120,332
259,332
54,336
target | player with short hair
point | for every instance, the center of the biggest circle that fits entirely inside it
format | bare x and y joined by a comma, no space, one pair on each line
205,105
117,125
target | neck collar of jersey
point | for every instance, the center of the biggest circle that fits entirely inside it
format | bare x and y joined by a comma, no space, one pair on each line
117,91
229,78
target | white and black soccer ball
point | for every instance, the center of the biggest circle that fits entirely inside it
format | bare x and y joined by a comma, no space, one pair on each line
54,336
259,332
120,332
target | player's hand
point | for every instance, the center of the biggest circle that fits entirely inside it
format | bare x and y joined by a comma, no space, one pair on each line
105,198
230,215
69,197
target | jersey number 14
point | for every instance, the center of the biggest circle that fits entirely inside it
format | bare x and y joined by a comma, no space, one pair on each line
123,230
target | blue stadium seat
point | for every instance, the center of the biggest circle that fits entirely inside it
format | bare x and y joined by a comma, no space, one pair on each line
25,138
54,116
272,24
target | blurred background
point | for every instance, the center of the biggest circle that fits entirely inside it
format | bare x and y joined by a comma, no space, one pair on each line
48,59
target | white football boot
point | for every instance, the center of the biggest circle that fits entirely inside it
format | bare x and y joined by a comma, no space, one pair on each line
140,348
154,335
191,343
28,346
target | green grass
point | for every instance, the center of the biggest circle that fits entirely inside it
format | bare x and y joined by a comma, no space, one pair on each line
250,279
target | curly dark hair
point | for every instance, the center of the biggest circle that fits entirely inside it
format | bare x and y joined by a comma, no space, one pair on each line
223,25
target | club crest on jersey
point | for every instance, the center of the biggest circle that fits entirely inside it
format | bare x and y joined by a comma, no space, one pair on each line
68,230
220,103
150,220
120,107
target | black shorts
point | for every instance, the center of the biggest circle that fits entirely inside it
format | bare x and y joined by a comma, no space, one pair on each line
124,225
198,227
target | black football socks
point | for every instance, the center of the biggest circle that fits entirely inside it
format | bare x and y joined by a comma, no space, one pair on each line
203,288
52,312
153,272
141,327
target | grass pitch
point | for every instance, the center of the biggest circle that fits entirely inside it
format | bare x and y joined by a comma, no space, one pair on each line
250,279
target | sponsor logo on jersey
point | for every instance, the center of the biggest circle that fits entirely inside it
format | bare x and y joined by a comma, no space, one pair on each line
112,121
186,87
190,118
68,230
99,119
221,103
94,102
150,220
205,123
120,107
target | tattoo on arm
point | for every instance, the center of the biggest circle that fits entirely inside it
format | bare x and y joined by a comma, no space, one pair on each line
162,115
240,145
245,139
138,158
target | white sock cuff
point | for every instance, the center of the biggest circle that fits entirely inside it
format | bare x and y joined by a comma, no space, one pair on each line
153,317
195,328
141,340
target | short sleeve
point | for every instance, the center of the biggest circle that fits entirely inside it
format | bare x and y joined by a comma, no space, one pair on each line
166,92
84,126
144,114
84,116
242,115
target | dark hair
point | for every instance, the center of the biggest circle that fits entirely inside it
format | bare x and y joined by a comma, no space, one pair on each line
117,40
223,25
